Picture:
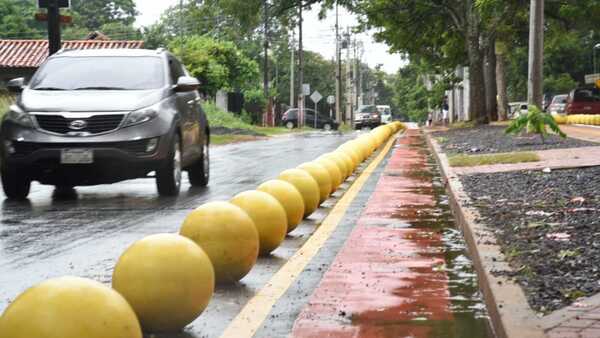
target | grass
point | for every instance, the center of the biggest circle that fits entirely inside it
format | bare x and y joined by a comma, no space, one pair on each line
5,102
345,128
219,118
229,138
462,125
487,159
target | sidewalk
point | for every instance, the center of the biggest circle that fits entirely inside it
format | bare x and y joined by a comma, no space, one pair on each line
397,274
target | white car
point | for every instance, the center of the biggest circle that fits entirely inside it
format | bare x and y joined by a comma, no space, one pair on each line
386,114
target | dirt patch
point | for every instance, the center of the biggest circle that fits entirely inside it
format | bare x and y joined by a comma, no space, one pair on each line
492,139
548,226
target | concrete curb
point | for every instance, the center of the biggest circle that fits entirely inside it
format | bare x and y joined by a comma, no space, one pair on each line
510,314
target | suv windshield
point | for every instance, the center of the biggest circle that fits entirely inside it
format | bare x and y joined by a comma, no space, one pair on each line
100,73
367,109
560,99
587,95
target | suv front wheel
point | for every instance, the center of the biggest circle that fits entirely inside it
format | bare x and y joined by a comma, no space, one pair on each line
199,172
16,184
168,177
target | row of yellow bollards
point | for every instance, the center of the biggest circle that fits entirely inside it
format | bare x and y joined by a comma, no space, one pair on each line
588,119
163,282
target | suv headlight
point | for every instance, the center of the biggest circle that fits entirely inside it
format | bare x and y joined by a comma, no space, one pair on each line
19,116
141,116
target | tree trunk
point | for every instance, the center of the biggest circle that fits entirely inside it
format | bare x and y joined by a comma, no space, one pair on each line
476,80
501,83
490,81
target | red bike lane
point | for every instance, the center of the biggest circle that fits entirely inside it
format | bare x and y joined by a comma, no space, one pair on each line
389,279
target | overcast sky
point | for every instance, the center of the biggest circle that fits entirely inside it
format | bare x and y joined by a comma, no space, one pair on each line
319,35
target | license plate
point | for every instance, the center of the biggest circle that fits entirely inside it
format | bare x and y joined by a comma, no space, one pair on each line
76,156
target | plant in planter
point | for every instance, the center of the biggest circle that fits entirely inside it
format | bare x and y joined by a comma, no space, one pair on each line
535,122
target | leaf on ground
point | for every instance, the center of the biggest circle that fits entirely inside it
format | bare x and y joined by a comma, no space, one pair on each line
558,236
577,199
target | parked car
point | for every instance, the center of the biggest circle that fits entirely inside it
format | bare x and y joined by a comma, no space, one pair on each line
367,116
386,113
92,117
517,109
557,106
584,100
289,119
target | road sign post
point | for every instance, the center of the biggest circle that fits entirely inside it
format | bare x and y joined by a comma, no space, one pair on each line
316,97
53,7
331,101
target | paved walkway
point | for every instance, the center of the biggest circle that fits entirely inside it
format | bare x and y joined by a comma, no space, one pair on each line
389,279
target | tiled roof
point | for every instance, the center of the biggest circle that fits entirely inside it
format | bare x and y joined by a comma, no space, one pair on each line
31,53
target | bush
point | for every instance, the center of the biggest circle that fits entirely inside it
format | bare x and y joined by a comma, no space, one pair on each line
535,122
219,118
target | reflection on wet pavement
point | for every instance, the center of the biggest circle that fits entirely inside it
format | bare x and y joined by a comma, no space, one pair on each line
404,270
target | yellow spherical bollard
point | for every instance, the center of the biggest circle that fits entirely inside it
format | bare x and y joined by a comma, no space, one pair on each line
167,279
363,148
348,160
268,215
69,307
289,197
351,151
321,175
334,172
339,162
306,185
228,236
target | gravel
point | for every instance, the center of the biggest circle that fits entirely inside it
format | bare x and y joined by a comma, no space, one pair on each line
492,139
548,226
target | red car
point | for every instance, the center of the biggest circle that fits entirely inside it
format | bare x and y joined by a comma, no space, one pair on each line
585,100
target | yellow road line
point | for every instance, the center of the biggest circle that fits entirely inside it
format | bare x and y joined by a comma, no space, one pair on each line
249,320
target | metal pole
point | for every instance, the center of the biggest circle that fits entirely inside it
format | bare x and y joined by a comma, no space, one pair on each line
53,27
316,114
292,67
349,96
536,54
338,68
301,66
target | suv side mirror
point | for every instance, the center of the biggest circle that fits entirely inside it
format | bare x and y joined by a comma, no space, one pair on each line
186,84
16,85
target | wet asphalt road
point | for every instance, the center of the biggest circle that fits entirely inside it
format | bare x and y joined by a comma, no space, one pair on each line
49,237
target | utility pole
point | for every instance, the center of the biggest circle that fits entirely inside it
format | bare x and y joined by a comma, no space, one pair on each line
292,68
338,68
355,75
536,54
348,79
53,27
301,67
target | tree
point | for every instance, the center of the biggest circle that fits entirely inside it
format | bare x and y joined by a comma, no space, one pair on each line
17,20
216,64
92,14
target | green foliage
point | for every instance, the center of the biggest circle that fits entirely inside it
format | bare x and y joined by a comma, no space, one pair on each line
559,83
216,64
93,14
5,101
534,122
219,118
17,20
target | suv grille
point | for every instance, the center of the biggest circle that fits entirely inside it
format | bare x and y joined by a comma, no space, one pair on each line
137,147
94,125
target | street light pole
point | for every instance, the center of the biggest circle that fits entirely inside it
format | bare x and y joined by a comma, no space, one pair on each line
597,46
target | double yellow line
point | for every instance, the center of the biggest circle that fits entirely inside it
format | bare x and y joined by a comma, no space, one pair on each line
249,320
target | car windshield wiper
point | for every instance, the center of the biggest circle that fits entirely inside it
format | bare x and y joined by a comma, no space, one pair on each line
100,88
48,88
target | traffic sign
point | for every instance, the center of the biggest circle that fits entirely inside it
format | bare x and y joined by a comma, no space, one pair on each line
331,99
306,89
57,3
316,97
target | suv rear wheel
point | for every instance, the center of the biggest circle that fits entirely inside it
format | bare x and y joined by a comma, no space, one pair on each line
290,125
199,172
168,178
16,184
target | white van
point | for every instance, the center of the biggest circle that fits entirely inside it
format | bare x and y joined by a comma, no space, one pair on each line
386,114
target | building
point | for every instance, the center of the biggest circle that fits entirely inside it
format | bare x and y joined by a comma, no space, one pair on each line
21,58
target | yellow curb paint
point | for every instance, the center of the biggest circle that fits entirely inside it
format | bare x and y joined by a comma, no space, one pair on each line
249,320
